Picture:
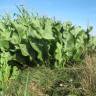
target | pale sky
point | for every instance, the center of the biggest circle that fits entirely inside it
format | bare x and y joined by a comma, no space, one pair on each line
80,12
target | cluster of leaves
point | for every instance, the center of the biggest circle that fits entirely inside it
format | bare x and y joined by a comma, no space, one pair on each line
32,40
92,44
41,39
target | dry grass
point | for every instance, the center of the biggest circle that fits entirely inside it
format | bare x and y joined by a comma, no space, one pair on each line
35,89
88,80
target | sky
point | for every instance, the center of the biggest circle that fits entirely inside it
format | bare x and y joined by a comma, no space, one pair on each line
79,12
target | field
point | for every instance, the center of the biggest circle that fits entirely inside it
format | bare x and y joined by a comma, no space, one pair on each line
41,56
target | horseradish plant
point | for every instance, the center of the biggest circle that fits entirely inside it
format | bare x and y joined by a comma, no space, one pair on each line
31,40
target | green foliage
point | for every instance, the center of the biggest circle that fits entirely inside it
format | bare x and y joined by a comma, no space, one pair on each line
5,71
35,37
92,44
31,40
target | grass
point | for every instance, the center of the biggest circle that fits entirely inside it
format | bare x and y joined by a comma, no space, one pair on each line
79,80
88,80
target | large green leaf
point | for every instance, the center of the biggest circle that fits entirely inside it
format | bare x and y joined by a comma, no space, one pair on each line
4,44
23,49
58,55
37,49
